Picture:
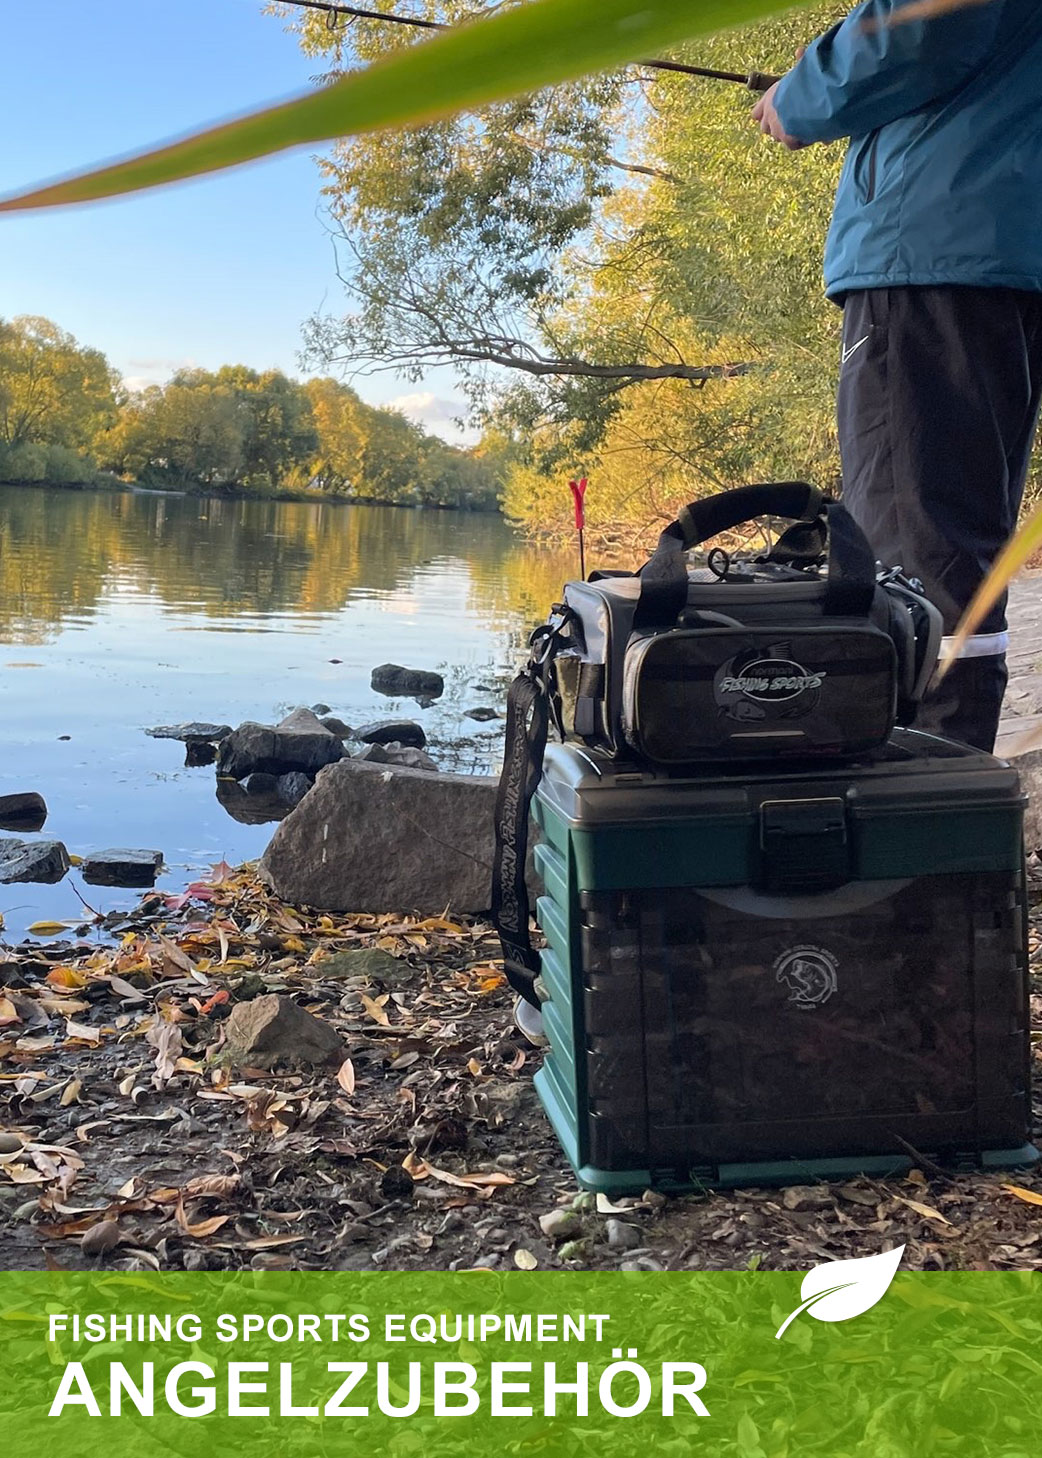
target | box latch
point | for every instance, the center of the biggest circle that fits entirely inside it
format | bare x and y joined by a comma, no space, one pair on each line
804,846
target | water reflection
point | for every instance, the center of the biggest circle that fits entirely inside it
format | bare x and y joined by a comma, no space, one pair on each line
120,611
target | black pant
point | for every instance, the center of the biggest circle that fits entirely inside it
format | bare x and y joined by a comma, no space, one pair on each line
938,404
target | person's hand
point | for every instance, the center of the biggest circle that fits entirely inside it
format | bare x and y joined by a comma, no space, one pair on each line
770,123
765,113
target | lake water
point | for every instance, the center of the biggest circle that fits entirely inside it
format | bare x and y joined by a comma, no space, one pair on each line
123,611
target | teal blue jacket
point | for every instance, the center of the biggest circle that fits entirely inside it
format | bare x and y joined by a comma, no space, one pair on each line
943,179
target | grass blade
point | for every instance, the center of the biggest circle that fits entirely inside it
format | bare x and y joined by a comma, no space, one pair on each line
519,50
1009,562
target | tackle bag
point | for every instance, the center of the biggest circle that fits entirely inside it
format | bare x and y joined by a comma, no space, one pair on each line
810,651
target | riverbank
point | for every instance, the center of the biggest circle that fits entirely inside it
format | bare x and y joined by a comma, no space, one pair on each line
106,482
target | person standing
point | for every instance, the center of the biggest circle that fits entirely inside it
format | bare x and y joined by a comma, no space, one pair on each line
935,255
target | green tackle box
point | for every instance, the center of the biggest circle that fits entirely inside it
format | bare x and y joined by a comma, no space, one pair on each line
757,978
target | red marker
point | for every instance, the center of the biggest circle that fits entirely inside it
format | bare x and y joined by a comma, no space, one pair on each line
578,490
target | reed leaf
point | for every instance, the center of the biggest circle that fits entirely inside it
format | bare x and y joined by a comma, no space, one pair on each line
516,51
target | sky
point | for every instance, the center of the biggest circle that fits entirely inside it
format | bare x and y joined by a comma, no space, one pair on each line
218,271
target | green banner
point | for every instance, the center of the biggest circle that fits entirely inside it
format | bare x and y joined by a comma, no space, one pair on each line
430,1364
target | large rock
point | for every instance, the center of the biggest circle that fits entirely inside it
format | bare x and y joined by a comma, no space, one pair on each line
43,861
294,745
250,809
122,867
371,838
23,812
398,682
417,759
273,1029
405,732
194,733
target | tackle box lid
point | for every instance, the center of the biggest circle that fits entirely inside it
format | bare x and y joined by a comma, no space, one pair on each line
913,772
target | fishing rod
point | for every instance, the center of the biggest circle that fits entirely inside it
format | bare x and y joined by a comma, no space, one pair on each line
752,80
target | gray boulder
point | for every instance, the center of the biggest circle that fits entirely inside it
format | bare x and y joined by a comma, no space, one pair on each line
299,743
273,1029
122,867
393,731
43,861
292,788
249,809
376,838
398,682
23,812
262,783
191,733
337,726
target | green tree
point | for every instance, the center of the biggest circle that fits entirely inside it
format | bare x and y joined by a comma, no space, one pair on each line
53,391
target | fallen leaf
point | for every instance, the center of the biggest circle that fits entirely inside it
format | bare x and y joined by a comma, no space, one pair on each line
202,1227
49,928
165,1038
71,1093
346,1077
1030,1197
927,1211
8,1012
81,1031
375,1010
215,1187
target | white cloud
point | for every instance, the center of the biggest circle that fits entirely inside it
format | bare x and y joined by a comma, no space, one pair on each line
437,414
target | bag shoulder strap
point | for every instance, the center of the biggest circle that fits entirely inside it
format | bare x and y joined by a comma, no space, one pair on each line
527,725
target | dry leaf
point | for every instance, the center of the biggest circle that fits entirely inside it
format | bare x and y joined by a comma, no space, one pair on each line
81,1031
346,1077
165,1038
927,1211
1030,1197
375,1009
215,1187
8,1012
71,1093
202,1227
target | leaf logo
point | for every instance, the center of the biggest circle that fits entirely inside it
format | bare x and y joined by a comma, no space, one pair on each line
843,1289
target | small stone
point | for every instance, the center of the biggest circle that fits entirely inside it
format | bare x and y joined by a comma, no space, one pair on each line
198,1259
274,1029
397,1183
372,963
23,812
806,1197
641,1263
397,682
10,1143
320,708
483,714
486,1263
43,861
122,867
338,727
187,733
622,1236
398,731
417,759
560,1224
261,783
292,788
100,1238
653,1200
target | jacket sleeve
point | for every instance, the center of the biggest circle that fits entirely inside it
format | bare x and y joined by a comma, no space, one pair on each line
855,78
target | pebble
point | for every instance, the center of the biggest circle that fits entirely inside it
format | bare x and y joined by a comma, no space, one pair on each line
641,1263
559,1224
486,1263
10,1143
320,709
507,1161
100,1238
622,1236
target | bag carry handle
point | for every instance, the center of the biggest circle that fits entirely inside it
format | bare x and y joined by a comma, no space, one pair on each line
851,583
